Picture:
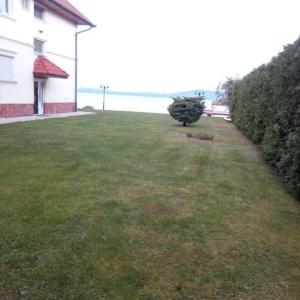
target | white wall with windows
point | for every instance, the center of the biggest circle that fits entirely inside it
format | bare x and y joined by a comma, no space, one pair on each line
25,33
16,77
6,66
4,7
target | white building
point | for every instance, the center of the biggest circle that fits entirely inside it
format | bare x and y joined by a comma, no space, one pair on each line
37,56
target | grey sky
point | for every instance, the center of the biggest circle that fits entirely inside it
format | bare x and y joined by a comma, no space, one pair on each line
173,45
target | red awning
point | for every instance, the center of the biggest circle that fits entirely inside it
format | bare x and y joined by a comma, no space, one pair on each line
44,68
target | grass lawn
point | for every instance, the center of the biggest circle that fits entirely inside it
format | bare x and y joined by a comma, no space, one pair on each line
123,206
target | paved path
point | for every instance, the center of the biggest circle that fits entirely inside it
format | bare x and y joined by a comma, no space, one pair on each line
44,117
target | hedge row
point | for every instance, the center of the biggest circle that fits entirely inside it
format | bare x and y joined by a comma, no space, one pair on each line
265,105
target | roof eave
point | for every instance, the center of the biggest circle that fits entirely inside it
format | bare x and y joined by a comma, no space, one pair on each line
84,20
46,76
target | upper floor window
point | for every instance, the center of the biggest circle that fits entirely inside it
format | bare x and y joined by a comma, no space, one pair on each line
6,67
25,4
38,12
4,7
38,46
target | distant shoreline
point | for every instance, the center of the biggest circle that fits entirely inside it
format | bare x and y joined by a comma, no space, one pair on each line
209,95
136,102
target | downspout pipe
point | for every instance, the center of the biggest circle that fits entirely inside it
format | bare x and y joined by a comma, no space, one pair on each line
76,62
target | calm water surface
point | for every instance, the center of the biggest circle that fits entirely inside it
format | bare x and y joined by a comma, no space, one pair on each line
124,103
128,103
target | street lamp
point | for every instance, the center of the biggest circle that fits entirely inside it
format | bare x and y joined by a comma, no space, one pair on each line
104,87
199,93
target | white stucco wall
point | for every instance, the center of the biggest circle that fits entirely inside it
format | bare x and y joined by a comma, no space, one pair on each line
17,32
57,89
16,41
20,89
58,35
19,24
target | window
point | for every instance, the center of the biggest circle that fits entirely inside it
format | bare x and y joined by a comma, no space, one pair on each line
25,4
4,7
38,12
38,46
6,67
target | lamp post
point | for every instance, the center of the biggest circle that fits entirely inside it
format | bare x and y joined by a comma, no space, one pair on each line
104,87
199,93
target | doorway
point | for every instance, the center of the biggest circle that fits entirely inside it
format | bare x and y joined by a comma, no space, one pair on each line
38,106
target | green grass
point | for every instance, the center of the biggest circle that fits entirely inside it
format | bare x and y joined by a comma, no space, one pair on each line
124,206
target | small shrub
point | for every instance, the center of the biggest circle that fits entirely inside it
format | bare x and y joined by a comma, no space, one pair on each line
187,110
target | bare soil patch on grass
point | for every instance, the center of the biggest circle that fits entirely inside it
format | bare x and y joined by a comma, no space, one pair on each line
199,137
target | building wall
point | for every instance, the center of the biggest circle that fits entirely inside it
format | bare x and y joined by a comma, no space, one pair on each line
16,39
20,89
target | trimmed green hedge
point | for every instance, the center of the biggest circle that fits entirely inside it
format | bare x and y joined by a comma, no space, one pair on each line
265,105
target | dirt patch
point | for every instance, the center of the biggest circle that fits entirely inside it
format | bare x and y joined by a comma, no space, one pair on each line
154,210
195,139
221,247
200,137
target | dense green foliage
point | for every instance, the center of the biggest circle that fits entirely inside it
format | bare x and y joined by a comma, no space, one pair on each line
265,105
187,110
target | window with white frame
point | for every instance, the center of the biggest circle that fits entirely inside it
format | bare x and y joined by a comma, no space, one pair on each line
39,12
25,4
38,46
4,7
6,67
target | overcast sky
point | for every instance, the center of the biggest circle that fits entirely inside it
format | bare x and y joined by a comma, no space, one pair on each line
174,45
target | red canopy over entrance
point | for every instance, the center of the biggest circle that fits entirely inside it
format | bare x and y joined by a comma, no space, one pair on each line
44,68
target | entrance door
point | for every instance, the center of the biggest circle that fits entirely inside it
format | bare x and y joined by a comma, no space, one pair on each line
38,106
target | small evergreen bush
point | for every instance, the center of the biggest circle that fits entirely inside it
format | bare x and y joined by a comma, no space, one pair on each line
187,110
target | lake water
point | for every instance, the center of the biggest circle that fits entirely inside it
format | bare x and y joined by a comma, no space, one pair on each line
124,102
129,103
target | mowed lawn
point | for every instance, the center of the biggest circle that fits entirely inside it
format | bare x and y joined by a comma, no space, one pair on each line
122,206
